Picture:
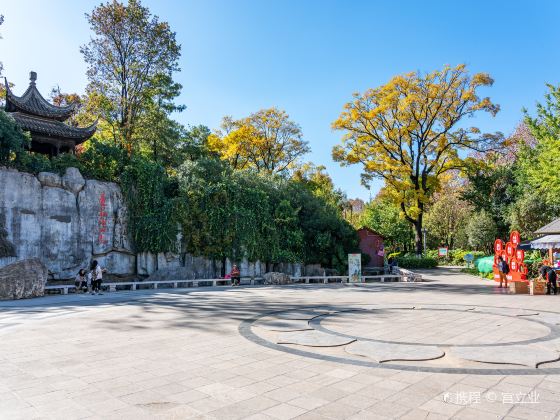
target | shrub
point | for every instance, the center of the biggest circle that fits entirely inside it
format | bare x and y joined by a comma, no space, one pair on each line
413,262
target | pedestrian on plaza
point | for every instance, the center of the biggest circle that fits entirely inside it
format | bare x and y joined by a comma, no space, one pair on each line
89,279
548,274
503,269
392,264
235,276
80,281
97,273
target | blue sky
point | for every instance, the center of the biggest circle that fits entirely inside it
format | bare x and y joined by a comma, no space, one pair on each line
306,56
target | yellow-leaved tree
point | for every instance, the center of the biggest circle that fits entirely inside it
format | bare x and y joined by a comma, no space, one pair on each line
267,141
407,133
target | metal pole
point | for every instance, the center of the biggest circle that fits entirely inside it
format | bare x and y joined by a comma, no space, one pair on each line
424,234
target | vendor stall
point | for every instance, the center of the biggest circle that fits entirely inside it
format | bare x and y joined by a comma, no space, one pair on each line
549,241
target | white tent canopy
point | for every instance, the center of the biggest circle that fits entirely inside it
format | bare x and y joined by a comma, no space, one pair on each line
546,242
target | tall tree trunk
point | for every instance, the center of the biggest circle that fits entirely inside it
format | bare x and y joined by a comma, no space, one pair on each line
418,236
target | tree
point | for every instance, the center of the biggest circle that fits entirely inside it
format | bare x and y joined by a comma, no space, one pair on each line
481,231
318,181
194,144
406,133
383,216
447,217
541,165
1,64
130,62
530,212
267,141
12,140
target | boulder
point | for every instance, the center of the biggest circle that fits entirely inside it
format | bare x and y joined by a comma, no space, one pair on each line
73,180
49,179
277,278
23,279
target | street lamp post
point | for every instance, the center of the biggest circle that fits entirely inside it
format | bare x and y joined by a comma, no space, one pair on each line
424,230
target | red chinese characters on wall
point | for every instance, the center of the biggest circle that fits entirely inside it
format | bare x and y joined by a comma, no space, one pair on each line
102,220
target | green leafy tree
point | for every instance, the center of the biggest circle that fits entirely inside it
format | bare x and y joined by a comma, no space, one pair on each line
318,181
12,140
130,59
383,216
530,212
482,231
152,199
447,217
541,165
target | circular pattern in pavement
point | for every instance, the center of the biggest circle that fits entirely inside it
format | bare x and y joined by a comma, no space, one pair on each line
432,338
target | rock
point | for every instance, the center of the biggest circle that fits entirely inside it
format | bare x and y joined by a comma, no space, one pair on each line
276,278
23,279
49,179
7,249
117,263
73,180
146,263
60,233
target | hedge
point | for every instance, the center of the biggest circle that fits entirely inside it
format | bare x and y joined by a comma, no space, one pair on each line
414,262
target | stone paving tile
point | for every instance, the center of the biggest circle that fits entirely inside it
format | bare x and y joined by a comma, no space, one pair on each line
284,411
530,413
440,407
309,403
474,414
337,410
189,361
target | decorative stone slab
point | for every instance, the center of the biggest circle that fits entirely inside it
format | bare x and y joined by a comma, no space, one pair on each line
306,314
446,307
313,339
275,324
507,311
384,352
526,355
387,306
548,318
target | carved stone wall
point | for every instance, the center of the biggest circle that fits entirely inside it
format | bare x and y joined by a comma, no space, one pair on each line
66,222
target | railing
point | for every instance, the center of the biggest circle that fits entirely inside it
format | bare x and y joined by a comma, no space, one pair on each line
398,275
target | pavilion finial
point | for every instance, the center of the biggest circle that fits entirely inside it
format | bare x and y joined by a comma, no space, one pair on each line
33,77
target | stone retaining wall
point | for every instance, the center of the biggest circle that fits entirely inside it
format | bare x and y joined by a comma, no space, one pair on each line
66,222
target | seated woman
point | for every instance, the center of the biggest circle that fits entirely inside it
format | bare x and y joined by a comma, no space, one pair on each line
235,276
80,281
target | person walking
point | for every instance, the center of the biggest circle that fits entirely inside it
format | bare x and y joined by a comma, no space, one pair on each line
549,275
503,269
235,276
97,273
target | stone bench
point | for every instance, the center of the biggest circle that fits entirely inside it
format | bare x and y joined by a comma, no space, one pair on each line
175,284
163,284
64,288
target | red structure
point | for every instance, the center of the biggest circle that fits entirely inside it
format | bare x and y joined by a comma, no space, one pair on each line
371,243
514,257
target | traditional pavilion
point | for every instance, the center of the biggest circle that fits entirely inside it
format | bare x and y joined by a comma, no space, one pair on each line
45,121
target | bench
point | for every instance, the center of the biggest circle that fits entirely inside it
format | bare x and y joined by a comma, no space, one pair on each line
62,287
399,275
165,284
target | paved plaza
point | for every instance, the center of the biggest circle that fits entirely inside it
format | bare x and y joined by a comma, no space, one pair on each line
453,346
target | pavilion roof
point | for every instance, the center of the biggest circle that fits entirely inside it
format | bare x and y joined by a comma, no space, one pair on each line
53,128
552,228
33,103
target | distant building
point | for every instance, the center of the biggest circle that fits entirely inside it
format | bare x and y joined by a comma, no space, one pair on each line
45,121
357,204
371,243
